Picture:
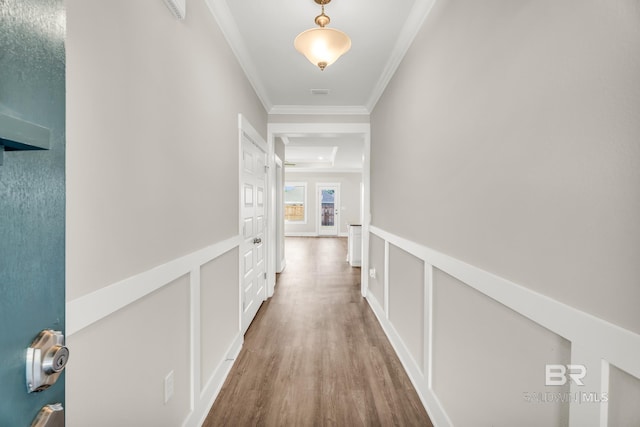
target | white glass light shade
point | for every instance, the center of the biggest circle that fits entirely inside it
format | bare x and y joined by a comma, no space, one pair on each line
322,46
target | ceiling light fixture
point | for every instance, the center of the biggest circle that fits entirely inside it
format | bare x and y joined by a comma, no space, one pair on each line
322,46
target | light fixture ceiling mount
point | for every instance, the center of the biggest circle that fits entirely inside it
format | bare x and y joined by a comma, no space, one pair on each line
322,46
322,20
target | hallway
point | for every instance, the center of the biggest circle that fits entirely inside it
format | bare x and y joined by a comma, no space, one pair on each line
315,353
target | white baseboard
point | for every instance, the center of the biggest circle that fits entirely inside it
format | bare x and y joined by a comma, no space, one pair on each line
429,400
311,234
301,234
235,348
214,385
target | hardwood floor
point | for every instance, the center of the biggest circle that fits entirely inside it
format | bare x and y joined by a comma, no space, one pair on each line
315,354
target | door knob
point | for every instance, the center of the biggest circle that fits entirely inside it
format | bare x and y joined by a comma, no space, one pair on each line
46,358
257,240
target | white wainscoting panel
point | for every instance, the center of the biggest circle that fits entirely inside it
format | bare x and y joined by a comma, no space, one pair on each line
99,305
592,339
83,311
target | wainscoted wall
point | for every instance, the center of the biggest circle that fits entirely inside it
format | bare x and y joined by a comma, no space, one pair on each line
180,317
476,345
153,210
623,391
508,140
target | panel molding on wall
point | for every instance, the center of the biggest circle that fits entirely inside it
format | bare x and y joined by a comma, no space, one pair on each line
90,308
99,305
592,339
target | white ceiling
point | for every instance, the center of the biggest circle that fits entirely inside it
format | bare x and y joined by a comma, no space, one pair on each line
261,34
336,152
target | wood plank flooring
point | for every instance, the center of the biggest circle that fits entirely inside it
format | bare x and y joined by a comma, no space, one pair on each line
315,354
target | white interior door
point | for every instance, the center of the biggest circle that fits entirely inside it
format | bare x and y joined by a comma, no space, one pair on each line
328,209
253,260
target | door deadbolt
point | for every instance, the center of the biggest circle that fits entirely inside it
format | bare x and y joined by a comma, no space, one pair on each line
46,358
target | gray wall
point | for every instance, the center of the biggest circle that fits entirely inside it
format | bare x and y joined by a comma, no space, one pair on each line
517,123
508,139
153,107
153,137
278,148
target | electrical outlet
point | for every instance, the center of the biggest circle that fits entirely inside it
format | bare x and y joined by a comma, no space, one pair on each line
372,273
168,387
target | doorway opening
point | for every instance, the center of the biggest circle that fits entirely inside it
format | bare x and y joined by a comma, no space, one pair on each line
313,154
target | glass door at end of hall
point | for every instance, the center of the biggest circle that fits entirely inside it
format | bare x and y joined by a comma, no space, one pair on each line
329,209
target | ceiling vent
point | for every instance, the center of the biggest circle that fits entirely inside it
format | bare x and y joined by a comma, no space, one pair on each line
319,91
177,7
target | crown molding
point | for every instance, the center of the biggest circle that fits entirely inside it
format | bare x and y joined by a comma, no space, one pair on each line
229,28
290,169
414,22
320,109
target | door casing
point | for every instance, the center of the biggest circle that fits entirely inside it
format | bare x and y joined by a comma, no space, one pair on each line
279,215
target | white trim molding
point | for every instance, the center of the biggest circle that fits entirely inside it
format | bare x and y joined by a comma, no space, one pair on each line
222,14
301,234
417,16
211,390
290,169
592,339
99,305
339,110
90,308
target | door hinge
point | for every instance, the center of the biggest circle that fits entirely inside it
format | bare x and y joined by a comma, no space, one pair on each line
266,168
265,275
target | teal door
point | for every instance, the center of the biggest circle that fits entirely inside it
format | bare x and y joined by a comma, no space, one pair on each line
32,195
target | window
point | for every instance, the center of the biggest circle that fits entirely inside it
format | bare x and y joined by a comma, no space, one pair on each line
295,202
